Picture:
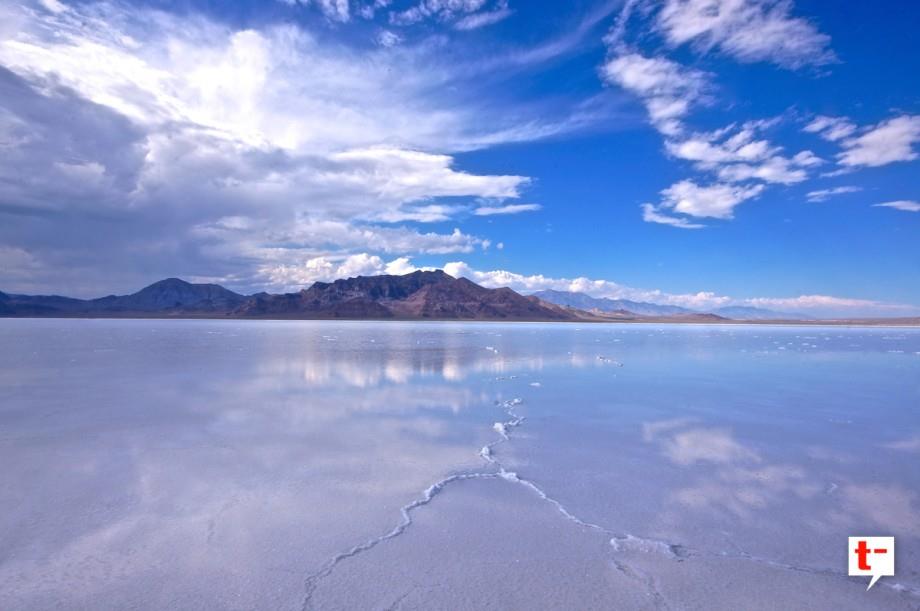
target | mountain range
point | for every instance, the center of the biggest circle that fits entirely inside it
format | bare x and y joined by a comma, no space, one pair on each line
603,305
419,295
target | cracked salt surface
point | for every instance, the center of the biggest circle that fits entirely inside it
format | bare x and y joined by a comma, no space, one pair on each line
246,465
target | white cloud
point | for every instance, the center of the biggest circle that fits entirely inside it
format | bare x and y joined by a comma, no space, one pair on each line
228,150
824,194
386,38
713,201
741,156
400,267
889,141
904,205
667,88
433,213
334,10
809,302
651,214
831,128
487,18
509,209
411,176
748,30
774,170
325,269
442,10
817,305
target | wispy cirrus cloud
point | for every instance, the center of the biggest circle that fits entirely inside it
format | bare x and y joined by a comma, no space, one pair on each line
652,214
831,128
508,209
904,205
821,195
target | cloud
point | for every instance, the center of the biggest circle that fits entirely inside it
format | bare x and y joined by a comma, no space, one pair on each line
465,13
651,214
205,150
481,20
509,209
667,89
818,301
386,38
713,201
889,141
831,128
905,205
824,194
334,10
749,31
737,155
329,268
816,305
690,446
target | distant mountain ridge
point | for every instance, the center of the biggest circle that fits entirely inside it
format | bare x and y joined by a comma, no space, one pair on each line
419,295
171,294
641,308
604,304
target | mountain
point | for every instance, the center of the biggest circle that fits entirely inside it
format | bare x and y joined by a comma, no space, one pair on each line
421,294
603,304
170,296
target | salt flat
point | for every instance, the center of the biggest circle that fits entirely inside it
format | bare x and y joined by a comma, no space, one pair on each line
290,465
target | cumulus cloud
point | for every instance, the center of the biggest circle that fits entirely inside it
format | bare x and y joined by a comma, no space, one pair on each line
904,205
509,209
738,154
889,141
712,201
821,195
216,152
667,89
748,30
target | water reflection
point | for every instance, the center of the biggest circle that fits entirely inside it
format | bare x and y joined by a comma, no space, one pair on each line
201,463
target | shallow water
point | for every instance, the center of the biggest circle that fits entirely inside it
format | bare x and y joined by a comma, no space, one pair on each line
291,465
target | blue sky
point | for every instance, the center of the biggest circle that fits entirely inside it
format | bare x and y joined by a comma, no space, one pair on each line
694,152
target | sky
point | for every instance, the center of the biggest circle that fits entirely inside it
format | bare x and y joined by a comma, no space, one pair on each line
700,153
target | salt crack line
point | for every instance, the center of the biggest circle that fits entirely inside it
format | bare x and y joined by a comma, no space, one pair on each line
675,552
742,555
432,491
